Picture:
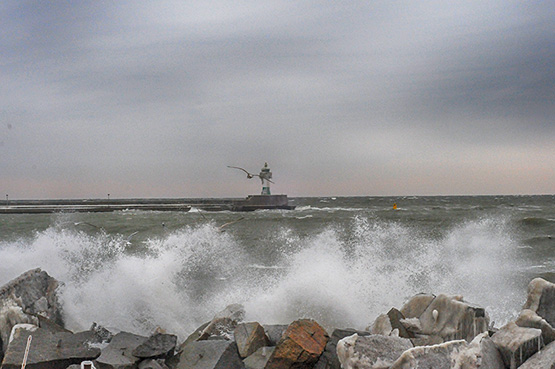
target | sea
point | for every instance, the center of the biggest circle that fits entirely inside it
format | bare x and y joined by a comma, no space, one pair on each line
341,261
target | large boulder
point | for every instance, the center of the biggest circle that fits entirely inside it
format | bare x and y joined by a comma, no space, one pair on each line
223,324
541,299
417,305
451,318
49,350
302,344
210,354
21,300
329,359
539,309
544,359
517,344
249,338
259,358
441,356
371,352
157,346
119,352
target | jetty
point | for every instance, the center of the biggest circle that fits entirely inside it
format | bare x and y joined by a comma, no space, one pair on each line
252,202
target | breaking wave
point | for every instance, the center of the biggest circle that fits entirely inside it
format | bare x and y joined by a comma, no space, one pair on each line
341,276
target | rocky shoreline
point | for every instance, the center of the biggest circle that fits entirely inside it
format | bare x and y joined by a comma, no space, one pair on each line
428,331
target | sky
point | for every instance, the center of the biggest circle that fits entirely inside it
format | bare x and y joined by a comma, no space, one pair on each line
340,98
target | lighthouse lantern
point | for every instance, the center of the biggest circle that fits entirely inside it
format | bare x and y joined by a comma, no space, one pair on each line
265,175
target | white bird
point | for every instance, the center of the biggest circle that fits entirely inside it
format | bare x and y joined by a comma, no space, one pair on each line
250,175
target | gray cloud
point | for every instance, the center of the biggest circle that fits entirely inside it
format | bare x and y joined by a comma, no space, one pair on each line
155,99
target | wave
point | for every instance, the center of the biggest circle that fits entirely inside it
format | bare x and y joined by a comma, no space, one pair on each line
342,277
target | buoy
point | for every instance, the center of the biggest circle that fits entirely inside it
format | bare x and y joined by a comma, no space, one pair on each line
394,206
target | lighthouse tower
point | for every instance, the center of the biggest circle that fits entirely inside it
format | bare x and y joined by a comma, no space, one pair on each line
265,176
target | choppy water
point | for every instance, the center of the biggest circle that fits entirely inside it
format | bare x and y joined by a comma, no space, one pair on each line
341,261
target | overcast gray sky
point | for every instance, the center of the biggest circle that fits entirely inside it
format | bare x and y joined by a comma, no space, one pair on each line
156,98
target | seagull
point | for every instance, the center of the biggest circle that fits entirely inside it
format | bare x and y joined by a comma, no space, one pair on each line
250,175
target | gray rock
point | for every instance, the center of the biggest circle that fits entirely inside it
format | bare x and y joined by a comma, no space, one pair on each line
32,293
218,354
544,359
329,359
48,350
249,337
156,346
223,323
517,344
274,332
396,320
152,364
440,356
371,352
119,352
529,319
259,358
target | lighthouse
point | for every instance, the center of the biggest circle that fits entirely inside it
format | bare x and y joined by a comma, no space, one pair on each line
265,176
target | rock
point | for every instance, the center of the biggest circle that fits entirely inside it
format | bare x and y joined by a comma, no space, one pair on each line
275,332
32,293
156,346
544,359
259,358
517,344
451,319
48,350
541,299
119,352
481,353
370,352
425,340
194,336
329,359
396,320
440,356
224,322
218,354
302,344
417,305
152,364
381,325
249,338
529,319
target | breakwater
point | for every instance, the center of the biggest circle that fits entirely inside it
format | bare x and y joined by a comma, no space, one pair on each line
251,203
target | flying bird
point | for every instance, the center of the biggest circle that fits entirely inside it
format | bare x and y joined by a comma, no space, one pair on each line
250,175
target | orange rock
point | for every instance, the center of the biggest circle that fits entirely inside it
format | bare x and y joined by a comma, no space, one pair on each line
302,344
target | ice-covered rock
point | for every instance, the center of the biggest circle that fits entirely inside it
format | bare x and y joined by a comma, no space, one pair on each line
329,359
159,345
441,356
416,305
370,352
539,309
452,318
517,344
544,359
32,293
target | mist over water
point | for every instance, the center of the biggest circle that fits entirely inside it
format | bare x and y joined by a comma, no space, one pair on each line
342,265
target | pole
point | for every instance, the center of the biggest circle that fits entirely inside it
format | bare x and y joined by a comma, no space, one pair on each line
26,352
